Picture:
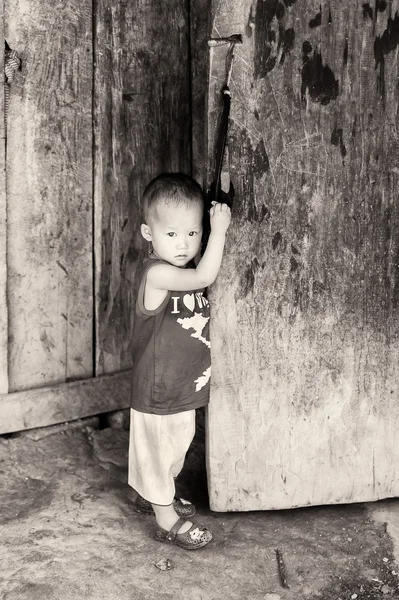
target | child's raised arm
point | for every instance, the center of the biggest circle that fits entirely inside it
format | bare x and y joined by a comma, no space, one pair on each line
168,277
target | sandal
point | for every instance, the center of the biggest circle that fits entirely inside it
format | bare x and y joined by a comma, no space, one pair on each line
181,506
196,537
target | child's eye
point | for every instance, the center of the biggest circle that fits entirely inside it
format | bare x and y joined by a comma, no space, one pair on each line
171,234
193,233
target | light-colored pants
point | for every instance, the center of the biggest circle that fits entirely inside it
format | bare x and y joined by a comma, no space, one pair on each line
157,448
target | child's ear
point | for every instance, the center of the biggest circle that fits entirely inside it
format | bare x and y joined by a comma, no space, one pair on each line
146,232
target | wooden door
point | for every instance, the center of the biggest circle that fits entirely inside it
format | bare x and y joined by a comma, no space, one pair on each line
305,332
142,127
101,105
48,197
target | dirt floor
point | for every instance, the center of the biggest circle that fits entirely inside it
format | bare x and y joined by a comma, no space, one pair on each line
69,531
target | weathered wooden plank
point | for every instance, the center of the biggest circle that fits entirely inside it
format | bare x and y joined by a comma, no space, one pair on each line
49,179
200,12
64,402
3,226
305,329
142,111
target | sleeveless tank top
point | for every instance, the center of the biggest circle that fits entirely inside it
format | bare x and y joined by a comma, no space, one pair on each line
171,351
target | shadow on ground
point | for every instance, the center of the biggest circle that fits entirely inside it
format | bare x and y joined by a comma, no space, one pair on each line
69,531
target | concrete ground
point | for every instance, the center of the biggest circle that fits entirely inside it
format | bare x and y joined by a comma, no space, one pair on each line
69,531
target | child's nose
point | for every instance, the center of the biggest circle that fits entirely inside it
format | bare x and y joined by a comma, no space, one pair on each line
183,243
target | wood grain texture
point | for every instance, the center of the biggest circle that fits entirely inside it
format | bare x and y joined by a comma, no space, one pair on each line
3,226
305,324
49,193
142,128
200,32
64,402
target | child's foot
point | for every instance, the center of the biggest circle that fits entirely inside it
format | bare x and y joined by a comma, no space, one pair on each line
168,523
182,507
185,534
168,520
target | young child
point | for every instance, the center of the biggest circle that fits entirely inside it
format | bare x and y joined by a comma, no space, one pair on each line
171,349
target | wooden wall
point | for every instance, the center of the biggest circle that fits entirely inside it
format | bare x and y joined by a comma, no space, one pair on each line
305,332
3,230
49,191
142,127
305,312
200,28
103,104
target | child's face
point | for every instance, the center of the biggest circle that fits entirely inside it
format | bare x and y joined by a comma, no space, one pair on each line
175,233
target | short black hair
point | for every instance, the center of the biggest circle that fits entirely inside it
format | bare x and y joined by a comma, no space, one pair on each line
171,188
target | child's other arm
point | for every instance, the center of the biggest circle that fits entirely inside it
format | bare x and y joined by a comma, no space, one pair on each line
168,277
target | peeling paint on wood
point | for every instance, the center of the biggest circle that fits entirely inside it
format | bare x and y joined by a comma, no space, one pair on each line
49,194
142,100
317,77
383,45
273,39
305,322
3,226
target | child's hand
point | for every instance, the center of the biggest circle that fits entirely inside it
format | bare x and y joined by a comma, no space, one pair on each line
220,216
